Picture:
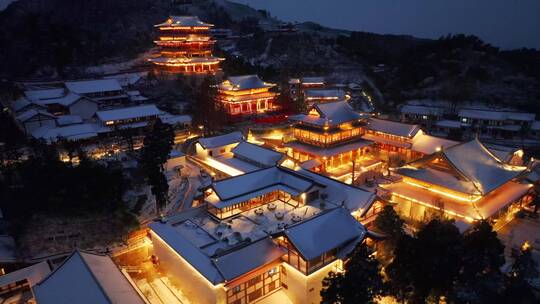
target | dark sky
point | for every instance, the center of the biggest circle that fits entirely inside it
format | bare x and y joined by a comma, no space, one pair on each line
503,23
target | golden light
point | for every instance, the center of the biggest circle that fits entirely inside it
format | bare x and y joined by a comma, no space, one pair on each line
467,218
456,197
222,167
526,246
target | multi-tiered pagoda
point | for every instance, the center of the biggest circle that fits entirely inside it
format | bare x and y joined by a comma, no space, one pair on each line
330,134
185,46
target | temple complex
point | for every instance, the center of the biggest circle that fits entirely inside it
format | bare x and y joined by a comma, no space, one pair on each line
466,182
273,233
329,136
246,95
185,46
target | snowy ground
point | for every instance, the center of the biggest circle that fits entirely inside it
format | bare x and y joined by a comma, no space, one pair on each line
5,3
515,233
183,187
117,67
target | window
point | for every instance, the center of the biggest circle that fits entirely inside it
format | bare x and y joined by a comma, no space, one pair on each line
255,295
236,289
254,280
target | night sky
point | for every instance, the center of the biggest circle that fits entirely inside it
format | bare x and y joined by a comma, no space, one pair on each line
503,23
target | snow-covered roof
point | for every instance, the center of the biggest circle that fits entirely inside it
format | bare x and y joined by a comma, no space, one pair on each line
127,78
176,153
428,144
86,278
172,119
475,161
535,125
188,251
503,153
22,103
181,21
26,115
496,115
393,127
34,95
66,100
483,208
33,274
353,198
480,171
448,124
69,132
257,154
65,120
325,232
244,187
220,266
250,257
220,140
422,110
246,82
312,80
330,113
324,93
93,86
128,113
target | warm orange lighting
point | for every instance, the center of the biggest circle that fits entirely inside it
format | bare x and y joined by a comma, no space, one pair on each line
222,167
467,218
456,197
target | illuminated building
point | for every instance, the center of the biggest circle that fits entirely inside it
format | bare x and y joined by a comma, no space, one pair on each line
466,182
330,135
229,155
313,96
266,232
83,277
185,46
246,95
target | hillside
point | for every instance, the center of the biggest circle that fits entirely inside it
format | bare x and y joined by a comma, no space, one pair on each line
58,38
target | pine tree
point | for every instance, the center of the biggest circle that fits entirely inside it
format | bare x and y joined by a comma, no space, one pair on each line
154,154
427,265
360,282
391,225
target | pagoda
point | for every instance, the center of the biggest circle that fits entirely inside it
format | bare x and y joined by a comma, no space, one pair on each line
246,95
329,137
185,46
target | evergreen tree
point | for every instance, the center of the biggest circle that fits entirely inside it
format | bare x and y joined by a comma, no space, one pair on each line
391,225
360,282
154,154
208,113
427,265
480,279
483,252
524,269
